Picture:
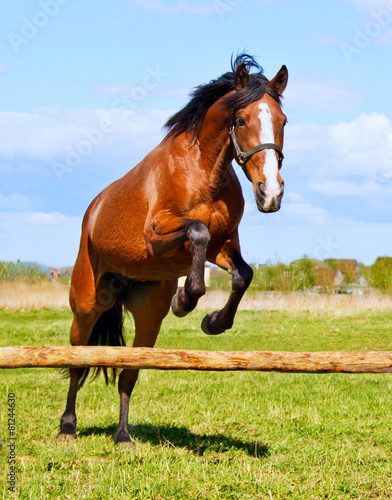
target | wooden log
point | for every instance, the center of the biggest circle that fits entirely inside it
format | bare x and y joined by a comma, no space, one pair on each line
169,359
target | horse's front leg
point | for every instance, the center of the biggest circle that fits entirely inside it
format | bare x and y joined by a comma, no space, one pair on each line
167,237
185,300
231,260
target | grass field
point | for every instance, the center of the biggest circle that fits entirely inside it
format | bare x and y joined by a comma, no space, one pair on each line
210,435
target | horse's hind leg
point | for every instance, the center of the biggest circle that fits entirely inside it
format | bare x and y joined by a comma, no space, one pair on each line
81,329
68,420
149,303
88,303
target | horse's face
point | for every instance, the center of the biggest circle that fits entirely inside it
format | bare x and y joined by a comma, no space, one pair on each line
259,123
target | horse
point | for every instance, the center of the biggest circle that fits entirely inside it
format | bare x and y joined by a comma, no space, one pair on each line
175,210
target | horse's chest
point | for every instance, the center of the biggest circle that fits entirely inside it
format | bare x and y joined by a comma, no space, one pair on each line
218,223
221,222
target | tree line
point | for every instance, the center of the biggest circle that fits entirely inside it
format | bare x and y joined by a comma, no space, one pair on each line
18,271
308,274
300,275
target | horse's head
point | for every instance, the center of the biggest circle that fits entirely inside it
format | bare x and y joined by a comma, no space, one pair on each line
257,135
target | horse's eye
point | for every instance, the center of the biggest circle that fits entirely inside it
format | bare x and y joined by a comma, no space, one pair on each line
241,122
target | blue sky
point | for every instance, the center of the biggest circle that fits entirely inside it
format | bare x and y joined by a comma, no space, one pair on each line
86,87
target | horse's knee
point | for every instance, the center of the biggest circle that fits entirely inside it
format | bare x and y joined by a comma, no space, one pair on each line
242,277
197,233
242,274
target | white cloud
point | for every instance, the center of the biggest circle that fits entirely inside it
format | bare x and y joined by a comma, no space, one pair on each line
341,159
180,91
347,188
50,133
362,147
304,212
361,241
296,210
14,202
294,198
309,92
49,219
372,5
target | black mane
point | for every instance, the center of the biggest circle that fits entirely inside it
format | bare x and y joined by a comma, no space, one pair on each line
189,118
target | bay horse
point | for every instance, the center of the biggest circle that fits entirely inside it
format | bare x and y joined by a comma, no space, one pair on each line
180,206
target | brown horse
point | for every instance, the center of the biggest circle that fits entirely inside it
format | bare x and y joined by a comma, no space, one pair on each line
180,206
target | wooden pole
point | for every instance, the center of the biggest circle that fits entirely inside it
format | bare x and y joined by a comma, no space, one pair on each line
169,359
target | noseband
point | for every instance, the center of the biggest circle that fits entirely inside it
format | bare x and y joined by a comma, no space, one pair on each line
244,156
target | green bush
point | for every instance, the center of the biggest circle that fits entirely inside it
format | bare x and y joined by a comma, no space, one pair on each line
380,275
14,271
64,279
302,274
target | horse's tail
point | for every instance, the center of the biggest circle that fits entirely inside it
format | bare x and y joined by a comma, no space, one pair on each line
108,330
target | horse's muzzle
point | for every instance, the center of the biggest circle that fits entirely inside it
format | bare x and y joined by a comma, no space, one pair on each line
269,200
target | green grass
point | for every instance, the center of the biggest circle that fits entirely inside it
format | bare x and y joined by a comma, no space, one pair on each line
199,435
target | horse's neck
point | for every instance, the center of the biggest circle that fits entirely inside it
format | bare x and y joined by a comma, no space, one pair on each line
214,145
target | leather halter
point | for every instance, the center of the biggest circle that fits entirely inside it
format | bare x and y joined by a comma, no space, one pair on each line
244,156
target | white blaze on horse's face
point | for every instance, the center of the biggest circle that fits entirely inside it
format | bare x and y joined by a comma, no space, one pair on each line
272,189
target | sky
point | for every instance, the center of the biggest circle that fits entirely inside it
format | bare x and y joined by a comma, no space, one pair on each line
87,86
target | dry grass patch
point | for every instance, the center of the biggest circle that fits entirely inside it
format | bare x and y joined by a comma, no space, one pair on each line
284,301
44,295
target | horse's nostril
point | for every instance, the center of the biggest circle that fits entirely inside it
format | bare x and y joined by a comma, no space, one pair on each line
261,189
280,195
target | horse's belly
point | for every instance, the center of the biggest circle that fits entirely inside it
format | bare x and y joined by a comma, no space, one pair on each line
128,255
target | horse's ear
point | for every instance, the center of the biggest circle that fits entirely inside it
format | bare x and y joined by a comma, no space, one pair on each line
279,82
241,77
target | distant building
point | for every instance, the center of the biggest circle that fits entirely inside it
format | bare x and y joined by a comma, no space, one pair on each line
55,272
340,276
361,286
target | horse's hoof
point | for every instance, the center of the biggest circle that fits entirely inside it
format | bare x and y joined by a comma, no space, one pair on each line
63,437
123,440
208,327
176,308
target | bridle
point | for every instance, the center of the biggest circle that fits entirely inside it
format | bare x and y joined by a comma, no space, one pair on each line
244,156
